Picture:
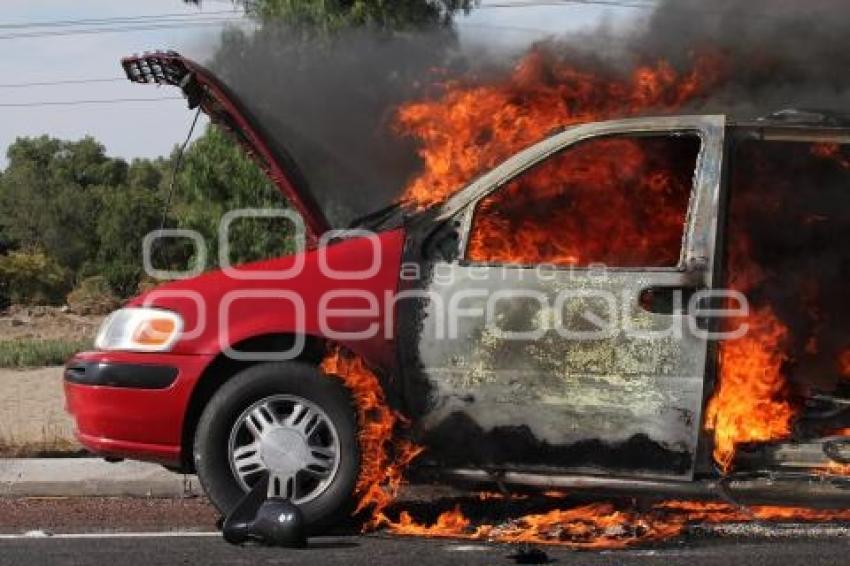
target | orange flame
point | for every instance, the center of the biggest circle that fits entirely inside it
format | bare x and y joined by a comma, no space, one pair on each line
384,457
470,129
603,525
628,179
750,402
449,524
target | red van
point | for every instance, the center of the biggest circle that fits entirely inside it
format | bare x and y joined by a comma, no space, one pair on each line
496,340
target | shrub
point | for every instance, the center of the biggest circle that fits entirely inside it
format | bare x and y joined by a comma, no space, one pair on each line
31,278
93,296
147,283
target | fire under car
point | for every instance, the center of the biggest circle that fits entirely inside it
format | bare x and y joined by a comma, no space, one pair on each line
652,306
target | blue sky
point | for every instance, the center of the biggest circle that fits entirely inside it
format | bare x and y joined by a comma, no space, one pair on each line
148,129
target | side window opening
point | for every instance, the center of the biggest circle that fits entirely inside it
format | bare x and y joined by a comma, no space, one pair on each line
621,201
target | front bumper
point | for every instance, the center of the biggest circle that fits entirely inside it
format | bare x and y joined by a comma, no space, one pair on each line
131,405
121,375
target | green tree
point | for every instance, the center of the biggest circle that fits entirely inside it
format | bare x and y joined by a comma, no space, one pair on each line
48,196
86,214
127,214
336,14
218,177
81,210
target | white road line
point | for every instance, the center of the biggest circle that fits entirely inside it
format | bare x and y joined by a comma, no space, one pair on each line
40,535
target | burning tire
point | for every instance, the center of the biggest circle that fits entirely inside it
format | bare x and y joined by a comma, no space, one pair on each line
287,420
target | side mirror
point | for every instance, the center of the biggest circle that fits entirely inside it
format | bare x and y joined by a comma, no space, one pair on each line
271,522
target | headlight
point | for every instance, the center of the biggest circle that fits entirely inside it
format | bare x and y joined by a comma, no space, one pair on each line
139,330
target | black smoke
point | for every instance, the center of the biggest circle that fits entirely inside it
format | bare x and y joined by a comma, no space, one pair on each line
330,101
776,53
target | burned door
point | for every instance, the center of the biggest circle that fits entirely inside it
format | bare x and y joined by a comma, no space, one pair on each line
560,339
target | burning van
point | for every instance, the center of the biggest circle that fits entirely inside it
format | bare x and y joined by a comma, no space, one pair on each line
646,306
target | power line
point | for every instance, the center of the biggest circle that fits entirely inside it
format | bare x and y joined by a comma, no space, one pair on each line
112,20
648,4
120,29
95,31
62,82
85,102
643,5
523,29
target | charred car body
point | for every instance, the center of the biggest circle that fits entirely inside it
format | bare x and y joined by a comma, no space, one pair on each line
530,341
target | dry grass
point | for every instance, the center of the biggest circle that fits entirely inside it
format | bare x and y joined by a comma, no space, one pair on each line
32,353
49,448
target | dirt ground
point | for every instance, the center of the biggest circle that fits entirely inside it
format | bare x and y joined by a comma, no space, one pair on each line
33,420
46,323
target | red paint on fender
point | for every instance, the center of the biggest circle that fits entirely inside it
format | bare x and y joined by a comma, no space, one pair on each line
220,311
265,304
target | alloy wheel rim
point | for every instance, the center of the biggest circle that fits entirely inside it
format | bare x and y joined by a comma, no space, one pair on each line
292,440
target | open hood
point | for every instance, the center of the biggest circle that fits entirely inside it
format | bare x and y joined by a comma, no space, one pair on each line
203,89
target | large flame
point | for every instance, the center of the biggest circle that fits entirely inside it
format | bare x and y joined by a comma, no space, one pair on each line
750,402
383,456
631,181
472,128
606,525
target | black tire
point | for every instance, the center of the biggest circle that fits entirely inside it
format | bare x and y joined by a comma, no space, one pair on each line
212,462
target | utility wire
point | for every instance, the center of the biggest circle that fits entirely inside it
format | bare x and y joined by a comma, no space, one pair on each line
523,29
646,5
147,27
84,102
538,3
113,20
62,82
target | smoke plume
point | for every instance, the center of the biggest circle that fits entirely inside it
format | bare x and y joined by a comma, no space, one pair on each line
776,53
332,102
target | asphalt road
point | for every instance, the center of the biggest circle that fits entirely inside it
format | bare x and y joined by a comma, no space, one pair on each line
146,532
379,551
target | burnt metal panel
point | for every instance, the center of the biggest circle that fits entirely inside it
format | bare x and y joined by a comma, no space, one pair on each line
617,404
812,490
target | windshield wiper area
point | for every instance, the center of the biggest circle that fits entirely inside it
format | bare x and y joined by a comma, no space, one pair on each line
375,220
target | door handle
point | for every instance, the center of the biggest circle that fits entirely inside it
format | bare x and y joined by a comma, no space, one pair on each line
668,300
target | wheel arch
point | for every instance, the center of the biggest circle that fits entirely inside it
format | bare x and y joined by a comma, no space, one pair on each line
222,368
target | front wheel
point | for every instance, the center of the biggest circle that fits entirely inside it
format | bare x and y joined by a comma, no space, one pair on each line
287,420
